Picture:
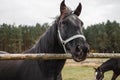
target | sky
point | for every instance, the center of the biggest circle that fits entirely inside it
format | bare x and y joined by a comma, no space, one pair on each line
30,12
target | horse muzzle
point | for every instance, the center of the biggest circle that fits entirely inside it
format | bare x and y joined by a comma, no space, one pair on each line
79,53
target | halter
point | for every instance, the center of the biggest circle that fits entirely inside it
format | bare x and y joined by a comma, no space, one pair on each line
64,42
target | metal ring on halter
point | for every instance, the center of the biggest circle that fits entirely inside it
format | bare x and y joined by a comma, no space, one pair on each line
64,42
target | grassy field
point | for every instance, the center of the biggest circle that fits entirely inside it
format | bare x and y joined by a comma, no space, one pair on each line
82,73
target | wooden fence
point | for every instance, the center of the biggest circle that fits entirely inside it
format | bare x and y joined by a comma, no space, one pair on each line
46,56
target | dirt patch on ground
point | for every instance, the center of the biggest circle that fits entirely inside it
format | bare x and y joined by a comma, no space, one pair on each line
88,62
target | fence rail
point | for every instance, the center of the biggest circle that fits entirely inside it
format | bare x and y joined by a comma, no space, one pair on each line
43,56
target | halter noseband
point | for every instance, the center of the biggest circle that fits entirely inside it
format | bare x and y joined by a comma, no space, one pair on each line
64,42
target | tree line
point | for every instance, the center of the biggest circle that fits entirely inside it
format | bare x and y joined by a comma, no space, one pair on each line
102,37
19,38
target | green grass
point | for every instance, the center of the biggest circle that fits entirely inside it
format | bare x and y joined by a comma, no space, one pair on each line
82,73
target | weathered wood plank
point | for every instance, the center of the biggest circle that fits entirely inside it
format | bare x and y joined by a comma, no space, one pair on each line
46,56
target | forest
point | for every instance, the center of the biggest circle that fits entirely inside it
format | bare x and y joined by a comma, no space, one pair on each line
102,37
19,38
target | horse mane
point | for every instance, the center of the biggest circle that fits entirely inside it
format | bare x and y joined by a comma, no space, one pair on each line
47,43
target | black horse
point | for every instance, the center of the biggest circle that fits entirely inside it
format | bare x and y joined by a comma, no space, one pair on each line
111,64
65,35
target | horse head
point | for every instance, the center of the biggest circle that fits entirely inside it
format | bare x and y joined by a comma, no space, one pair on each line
70,32
99,75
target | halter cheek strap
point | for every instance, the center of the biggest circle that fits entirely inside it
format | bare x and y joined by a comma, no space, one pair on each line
64,42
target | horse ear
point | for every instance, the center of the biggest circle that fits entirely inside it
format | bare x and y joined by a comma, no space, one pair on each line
78,10
63,9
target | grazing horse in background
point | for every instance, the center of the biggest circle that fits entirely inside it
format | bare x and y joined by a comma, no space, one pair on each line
65,35
111,64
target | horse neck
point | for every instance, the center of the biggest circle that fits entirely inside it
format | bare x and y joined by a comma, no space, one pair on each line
48,43
108,65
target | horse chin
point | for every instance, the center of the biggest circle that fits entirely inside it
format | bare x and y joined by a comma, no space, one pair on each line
78,58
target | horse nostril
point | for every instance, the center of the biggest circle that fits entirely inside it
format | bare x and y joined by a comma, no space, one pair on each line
82,48
78,48
86,48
